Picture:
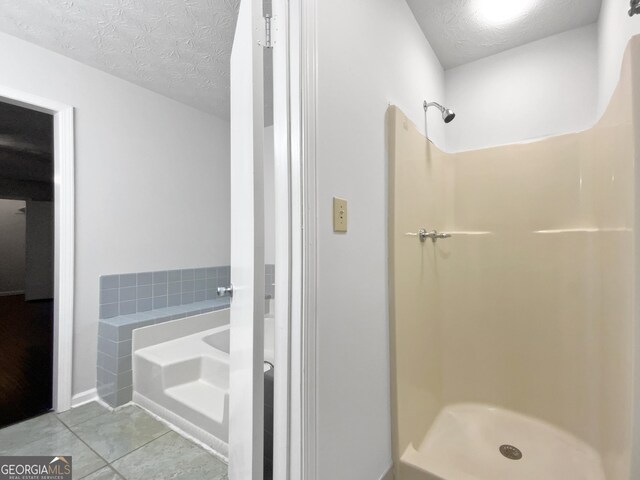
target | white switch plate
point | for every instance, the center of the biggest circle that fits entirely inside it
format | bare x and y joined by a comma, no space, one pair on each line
340,215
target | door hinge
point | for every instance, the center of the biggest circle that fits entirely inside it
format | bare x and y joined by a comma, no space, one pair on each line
268,41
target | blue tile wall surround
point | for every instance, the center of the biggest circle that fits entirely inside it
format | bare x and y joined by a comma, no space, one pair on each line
142,292
114,379
136,300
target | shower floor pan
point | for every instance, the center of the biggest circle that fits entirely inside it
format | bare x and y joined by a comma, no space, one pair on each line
465,443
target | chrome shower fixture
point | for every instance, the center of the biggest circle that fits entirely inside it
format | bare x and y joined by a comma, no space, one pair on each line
635,8
447,114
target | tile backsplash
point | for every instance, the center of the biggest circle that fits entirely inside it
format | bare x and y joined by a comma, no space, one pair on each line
130,293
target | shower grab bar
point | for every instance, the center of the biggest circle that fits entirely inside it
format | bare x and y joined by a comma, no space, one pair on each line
434,235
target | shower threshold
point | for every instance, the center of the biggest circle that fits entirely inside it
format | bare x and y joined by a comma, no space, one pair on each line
480,442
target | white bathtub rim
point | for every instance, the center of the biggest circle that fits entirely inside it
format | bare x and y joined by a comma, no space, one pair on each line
184,428
174,421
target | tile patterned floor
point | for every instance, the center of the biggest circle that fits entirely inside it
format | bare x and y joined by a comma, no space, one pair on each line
127,444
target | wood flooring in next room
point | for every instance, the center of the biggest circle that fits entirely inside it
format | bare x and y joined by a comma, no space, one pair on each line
26,358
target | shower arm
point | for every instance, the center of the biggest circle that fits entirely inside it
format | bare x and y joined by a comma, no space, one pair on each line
436,104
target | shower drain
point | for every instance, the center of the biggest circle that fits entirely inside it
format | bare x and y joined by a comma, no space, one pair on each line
511,452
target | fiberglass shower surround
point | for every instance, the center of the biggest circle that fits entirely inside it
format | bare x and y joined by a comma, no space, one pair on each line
512,341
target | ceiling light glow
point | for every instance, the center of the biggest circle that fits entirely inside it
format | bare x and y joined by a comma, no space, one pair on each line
502,11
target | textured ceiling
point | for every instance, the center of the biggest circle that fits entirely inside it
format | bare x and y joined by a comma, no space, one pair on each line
458,33
179,48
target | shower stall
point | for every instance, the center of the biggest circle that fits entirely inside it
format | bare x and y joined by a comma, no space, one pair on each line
513,324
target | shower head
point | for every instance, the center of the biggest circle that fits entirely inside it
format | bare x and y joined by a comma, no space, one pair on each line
447,114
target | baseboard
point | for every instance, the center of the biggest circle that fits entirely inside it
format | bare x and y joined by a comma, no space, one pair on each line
104,404
10,294
81,398
388,475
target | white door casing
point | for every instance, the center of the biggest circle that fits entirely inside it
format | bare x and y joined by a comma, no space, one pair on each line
246,396
303,97
64,236
282,165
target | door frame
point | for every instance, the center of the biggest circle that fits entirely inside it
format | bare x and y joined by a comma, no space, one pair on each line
300,453
283,240
64,236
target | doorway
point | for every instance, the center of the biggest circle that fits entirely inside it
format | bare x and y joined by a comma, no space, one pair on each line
26,263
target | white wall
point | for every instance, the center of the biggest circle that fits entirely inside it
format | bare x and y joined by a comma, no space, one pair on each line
12,249
152,180
553,86
540,89
615,28
39,251
370,53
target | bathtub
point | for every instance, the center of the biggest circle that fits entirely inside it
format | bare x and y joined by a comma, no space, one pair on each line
181,374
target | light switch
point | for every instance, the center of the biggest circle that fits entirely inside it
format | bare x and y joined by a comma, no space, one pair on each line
339,214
